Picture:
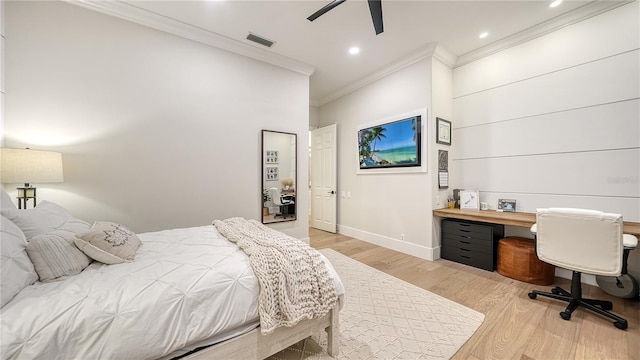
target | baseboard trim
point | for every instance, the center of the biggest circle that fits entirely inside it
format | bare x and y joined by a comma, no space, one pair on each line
404,247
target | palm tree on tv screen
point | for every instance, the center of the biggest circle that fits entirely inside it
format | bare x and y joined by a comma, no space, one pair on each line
377,134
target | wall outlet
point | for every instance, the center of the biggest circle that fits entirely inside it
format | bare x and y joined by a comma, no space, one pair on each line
437,200
349,194
401,236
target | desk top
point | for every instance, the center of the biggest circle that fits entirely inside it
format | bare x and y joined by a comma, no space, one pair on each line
522,219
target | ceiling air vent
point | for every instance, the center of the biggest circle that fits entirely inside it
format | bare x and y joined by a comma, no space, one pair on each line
260,40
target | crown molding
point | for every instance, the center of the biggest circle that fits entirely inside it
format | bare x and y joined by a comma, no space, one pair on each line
446,56
582,13
159,22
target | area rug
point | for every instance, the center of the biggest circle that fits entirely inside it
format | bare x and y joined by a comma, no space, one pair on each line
386,318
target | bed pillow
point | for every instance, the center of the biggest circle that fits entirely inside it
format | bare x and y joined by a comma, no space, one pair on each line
55,256
16,269
109,243
5,200
44,218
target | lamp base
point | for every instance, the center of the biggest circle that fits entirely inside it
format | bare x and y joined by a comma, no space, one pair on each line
24,194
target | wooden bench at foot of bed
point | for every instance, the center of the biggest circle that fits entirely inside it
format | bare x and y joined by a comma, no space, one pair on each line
254,345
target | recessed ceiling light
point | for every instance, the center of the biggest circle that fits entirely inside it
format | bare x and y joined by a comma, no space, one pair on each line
555,3
354,50
483,35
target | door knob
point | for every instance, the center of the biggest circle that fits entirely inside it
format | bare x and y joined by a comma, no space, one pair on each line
332,192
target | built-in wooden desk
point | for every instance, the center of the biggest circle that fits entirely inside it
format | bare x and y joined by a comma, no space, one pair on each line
521,219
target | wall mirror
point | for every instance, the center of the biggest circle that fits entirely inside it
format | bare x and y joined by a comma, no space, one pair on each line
279,181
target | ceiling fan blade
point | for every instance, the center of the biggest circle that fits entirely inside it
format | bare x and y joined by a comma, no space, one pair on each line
324,9
375,6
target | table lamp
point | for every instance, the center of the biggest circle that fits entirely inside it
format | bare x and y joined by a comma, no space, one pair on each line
29,166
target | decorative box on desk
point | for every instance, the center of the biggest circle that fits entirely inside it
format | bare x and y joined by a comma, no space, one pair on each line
471,243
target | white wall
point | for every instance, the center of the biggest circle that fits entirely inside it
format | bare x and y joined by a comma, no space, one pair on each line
383,207
553,122
156,131
314,117
2,36
442,94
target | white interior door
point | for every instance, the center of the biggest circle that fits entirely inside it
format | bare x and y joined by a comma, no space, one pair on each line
323,178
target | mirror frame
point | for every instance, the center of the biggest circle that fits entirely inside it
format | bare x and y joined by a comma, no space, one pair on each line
263,176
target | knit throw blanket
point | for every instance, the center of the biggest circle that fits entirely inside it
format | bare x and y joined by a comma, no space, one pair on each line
294,282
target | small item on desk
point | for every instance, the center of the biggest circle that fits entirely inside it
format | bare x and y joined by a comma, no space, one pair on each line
470,199
506,205
484,206
451,201
456,197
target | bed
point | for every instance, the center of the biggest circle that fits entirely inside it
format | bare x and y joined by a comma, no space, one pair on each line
188,293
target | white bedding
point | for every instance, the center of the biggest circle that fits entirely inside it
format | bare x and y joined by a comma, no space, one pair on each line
185,286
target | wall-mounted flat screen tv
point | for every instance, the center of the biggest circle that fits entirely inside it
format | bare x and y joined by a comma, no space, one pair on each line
390,145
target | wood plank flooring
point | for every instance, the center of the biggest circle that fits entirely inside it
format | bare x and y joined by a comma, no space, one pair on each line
515,327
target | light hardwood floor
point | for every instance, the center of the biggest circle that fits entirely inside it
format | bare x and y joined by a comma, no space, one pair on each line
515,327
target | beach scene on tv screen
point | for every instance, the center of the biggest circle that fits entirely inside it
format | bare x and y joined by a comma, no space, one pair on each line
393,144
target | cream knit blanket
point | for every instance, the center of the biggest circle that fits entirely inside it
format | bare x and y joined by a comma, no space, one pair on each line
294,282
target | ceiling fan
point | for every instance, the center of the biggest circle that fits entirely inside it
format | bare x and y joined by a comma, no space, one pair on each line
375,6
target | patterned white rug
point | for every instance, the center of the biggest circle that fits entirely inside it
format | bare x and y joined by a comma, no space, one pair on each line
387,318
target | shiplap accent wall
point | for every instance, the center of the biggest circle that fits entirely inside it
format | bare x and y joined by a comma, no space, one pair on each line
564,135
555,122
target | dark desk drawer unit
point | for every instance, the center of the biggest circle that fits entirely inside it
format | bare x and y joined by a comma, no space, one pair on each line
471,243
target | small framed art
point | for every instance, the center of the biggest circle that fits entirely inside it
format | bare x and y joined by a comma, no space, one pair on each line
506,205
443,131
271,157
469,199
271,173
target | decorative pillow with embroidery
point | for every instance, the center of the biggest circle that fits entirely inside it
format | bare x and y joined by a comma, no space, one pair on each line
109,243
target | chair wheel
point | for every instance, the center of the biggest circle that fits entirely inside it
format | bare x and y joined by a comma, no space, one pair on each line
566,315
532,296
622,325
555,291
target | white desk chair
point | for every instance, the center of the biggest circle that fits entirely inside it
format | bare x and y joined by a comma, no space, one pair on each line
282,201
582,241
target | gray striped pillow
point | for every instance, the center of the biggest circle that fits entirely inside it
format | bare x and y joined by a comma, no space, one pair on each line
54,255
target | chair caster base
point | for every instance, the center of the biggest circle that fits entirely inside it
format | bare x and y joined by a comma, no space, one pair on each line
622,325
606,306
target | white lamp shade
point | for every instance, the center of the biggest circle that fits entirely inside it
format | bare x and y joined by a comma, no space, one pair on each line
30,166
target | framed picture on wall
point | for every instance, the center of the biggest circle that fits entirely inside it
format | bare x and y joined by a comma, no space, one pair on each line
271,173
443,131
271,157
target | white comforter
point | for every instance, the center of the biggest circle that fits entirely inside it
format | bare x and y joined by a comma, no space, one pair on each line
185,286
